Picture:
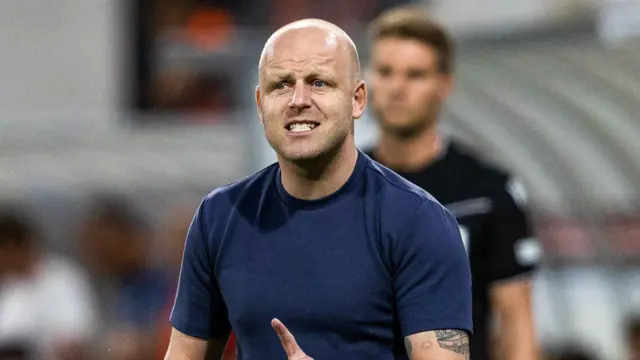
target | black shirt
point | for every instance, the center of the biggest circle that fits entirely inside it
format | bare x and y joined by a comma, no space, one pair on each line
487,204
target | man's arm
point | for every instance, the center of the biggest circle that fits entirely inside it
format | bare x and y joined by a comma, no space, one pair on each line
185,347
199,311
438,345
427,345
515,253
511,302
433,286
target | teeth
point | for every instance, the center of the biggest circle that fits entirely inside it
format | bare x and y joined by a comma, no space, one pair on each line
299,127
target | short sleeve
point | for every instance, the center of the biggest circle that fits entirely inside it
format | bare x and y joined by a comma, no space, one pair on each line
431,273
514,249
199,309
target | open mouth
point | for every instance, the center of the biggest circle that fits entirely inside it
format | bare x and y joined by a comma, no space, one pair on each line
302,126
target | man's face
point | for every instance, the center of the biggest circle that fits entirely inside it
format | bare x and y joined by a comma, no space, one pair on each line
407,87
308,98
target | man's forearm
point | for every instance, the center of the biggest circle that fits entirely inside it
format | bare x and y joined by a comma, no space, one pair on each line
512,306
184,347
517,340
438,345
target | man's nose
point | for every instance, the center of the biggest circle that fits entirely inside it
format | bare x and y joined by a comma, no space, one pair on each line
396,86
301,97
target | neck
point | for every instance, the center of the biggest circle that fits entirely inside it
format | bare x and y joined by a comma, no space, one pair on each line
319,177
409,153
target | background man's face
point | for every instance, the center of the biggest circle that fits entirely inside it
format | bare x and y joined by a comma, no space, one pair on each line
407,87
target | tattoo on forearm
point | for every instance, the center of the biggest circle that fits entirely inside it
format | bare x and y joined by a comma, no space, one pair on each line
407,345
454,340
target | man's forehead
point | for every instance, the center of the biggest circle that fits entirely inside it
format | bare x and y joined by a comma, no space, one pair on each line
297,56
286,63
407,50
301,69
303,41
307,30
318,46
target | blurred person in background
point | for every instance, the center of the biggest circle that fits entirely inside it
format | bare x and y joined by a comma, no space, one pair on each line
47,308
117,245
410,77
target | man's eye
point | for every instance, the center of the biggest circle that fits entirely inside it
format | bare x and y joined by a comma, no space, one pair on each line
384,72
279,86
416,75
319,83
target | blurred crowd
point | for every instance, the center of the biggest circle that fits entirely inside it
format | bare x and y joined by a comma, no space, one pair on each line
111,301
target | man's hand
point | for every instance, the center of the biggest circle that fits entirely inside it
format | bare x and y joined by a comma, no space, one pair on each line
294,352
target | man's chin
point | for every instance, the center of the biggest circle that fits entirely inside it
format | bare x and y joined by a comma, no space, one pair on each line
403,129
308,155
300,155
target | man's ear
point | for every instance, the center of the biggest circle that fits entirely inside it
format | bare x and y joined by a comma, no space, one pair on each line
448,81
259,104
359,101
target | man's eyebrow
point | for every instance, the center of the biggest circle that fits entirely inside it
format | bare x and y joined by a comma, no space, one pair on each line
314,72
325,75
279,75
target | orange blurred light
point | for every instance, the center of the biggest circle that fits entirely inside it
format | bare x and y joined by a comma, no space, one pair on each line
210,28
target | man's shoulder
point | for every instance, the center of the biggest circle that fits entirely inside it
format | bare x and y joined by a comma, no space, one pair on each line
368,151
395,193
231,194
484,169
487,177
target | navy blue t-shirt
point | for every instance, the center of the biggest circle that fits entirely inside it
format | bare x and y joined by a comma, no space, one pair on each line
350,274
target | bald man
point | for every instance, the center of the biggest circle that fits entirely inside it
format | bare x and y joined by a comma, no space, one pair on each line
357,262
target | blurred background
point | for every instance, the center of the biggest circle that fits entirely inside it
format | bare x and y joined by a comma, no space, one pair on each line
118,116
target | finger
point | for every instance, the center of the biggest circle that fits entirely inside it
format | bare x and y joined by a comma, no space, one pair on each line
286,338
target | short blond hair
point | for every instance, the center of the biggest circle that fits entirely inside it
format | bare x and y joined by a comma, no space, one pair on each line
412,22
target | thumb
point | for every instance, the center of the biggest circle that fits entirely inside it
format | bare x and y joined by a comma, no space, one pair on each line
287,339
